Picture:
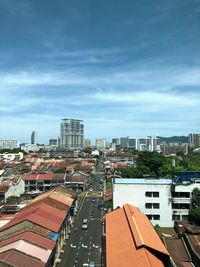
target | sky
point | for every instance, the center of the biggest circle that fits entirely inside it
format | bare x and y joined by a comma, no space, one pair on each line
124,67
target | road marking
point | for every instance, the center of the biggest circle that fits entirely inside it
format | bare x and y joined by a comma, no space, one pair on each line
84,246
72,246
95,246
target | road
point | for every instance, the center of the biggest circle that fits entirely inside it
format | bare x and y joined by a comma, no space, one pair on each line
84,246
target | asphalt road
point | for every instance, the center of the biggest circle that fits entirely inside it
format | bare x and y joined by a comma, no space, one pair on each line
84,246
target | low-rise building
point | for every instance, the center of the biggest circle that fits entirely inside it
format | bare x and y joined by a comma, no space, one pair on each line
9,187
132,241
36,235
42,182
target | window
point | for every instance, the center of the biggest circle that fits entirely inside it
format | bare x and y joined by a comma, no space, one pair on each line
175,217
181,194
156,205
148,194
181,206
155,217
152,205
148,205
152,194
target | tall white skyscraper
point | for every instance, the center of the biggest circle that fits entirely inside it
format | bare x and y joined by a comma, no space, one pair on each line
71,134
33,138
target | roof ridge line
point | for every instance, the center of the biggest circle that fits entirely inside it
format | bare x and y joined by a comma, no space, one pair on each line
131,221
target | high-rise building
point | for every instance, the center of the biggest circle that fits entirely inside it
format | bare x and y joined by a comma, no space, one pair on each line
124,142
9,144
154,143
101,144
53,142
71,134
194,140
86,143
33,138
115,141
132,143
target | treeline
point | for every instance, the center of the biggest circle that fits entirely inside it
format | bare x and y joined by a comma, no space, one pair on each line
157,165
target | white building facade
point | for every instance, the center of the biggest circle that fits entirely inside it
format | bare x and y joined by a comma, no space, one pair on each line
9,143
162,200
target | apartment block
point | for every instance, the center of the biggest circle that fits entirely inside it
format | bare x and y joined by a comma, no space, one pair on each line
9,143
162,200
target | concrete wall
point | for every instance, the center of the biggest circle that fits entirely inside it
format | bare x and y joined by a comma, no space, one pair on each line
16,189
135,194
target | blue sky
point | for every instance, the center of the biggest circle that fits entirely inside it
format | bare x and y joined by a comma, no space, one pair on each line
125,67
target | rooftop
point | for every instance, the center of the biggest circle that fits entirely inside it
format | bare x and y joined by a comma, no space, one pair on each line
141,181
132,240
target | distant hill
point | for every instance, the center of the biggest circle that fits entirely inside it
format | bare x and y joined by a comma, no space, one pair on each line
174,139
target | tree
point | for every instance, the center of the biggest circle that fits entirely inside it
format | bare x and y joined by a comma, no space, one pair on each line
131,172
194,214
154,161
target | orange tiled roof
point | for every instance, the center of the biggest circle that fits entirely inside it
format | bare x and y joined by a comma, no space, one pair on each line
131,240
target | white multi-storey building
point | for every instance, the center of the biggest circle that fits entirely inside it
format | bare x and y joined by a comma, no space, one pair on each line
71,134
162,200
9,143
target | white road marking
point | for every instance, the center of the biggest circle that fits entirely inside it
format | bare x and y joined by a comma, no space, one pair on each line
95,246
72,246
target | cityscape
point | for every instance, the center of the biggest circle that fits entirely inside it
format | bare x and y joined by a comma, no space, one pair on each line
99,133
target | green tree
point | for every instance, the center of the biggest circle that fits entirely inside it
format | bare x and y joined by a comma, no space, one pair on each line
194,214
154,161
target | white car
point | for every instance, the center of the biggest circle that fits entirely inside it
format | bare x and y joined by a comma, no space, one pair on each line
85,221
84,226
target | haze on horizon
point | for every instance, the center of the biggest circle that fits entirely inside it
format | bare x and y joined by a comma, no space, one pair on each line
126,68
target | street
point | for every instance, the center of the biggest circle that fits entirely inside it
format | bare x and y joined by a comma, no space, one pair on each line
84,245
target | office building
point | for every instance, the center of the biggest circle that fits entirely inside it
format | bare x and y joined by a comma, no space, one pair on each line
9,143
33,138
71,134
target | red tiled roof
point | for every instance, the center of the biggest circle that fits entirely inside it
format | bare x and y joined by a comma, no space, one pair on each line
38,177
19,259
41,214
32,238
4,188
131,240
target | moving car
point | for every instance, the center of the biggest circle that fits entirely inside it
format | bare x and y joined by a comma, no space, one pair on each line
84,226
